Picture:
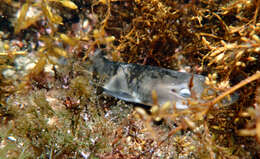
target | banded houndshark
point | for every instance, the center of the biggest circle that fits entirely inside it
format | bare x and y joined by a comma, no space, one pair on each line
135,83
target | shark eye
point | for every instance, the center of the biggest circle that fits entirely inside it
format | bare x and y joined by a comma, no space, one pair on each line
185,93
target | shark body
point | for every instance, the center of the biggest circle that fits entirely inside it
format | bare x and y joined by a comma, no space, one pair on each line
135,83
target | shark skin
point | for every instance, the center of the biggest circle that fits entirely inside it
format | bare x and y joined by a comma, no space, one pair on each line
135,83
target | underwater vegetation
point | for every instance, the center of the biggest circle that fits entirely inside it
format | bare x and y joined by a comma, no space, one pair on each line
52,107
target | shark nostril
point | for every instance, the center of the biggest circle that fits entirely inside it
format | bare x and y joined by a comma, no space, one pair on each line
173,90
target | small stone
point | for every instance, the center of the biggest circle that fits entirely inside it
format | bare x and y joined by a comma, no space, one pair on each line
8,73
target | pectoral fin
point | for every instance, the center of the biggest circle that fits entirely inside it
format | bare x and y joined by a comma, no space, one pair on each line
122,95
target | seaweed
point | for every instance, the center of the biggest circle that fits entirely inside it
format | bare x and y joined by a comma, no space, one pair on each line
53,109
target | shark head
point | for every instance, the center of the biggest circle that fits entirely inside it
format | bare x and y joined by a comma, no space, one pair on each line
177,90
